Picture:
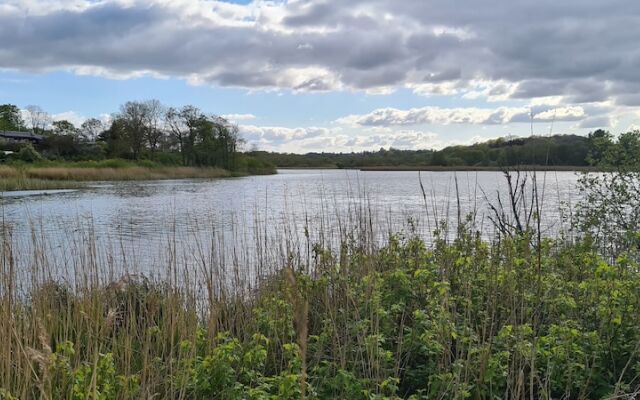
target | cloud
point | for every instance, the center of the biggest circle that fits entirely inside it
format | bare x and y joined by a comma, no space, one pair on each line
583,50
238,117
602,122
385,117
274,135
71,116
402,139
314,139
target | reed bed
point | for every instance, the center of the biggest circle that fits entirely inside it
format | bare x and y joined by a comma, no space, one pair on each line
123,174
21,183
317,313
66,177
8,172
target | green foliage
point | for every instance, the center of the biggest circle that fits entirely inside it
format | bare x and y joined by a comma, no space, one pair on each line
145,132
460,319
97,380
11,118
558,150
610,210
28,154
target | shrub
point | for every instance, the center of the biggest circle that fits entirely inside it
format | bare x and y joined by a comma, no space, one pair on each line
28,154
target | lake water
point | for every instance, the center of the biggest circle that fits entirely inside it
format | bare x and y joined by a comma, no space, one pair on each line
145,223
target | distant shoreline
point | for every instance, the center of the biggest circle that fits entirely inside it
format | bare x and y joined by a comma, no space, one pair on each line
433,168
562,168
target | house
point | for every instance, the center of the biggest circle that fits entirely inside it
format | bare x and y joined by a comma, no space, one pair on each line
21,136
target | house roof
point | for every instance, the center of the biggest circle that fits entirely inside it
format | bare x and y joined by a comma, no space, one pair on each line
20,135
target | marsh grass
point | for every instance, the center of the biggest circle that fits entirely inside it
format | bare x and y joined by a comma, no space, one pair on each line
320,313
25,177
22,183
123,174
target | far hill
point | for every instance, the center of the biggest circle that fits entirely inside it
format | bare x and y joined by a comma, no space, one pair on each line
550,151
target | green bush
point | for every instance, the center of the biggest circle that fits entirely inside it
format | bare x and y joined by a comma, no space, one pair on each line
28,154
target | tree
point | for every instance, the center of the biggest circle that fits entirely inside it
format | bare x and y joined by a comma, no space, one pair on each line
600,141
11,118
155,112
610,210
38,119
64,127
116,139
228,141
203,139
183,125
134,116
91,129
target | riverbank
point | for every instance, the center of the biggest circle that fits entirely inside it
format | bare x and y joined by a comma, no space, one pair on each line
75,175
434,168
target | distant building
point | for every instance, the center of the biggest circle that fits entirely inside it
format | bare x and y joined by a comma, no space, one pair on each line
21,136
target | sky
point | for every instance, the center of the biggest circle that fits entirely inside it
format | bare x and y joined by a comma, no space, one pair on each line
334,75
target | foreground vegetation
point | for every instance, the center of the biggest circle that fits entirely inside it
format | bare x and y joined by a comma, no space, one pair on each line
461,319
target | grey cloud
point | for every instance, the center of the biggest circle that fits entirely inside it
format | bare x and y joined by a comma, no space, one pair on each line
569,48
318,14
595,122
444,75
539,88
628,99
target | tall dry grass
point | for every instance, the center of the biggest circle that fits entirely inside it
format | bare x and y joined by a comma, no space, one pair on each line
41,178
123,174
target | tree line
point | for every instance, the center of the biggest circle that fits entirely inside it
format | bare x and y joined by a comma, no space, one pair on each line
140,130
556,150
149,130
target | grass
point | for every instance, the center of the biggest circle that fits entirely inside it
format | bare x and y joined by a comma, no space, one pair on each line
518,317
21,183
51,175
123,174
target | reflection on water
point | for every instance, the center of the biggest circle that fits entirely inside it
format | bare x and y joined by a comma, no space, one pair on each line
153,220
25,193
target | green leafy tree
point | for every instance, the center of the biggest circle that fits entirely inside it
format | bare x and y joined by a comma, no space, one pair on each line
11,118
64,127
611,210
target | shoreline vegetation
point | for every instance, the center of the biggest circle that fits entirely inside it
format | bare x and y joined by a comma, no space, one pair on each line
557,151
434,168
144,140
48,176
154,141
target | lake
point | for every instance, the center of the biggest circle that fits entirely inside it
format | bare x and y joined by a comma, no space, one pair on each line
146,224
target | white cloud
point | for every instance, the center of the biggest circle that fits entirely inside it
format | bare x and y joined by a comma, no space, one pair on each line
70,116
278,135
471,115
238,117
